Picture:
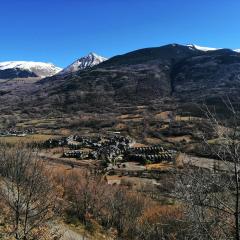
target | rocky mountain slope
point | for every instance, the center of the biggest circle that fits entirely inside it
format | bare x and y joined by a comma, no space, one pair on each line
142,74
92,59
183,74
216,73
22,69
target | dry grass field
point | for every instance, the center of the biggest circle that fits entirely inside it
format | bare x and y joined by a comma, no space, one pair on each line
27,139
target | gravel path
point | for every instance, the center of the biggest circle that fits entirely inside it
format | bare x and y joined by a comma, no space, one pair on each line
209,163
67,233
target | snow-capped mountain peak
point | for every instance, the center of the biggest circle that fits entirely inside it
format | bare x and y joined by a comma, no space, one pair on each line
92,59
28,69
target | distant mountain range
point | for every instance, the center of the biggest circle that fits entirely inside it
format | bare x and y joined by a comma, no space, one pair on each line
183,73
24,69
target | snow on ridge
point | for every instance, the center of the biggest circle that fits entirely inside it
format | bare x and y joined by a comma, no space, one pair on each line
91,60
41,69
205,49
25,64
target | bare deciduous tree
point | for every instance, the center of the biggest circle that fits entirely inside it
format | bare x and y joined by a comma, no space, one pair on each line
111,206
212,194
27,191
125,210
87,194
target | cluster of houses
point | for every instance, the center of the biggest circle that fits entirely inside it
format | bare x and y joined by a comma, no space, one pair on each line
111,149
76,142
73,142
52,143
80,155
107,148
154,154
16,132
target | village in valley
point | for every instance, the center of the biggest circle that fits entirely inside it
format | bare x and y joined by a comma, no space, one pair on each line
118,157
115,156
119,120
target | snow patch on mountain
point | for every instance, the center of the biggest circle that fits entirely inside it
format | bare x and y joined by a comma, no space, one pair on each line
40,69
205,49
92,59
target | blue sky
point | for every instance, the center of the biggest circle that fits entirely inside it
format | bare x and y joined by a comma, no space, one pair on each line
60,31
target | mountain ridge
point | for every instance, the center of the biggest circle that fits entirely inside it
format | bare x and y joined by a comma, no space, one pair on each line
173,70
24,69
176,72
88,61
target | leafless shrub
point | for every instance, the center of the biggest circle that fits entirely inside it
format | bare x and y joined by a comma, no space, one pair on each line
27,191
212,195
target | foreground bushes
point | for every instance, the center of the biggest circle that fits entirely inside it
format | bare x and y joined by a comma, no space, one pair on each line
133,216
28,195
